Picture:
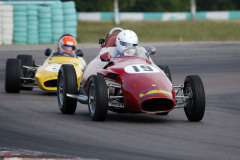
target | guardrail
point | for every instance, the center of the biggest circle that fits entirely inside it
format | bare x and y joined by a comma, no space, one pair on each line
30,2
165,16
33,22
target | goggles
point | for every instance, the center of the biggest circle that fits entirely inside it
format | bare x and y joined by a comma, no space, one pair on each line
128,45
68,48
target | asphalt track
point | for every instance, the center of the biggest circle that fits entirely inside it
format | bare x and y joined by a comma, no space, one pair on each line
31,120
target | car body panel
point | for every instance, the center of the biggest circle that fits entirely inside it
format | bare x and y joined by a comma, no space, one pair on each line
47,74
140,79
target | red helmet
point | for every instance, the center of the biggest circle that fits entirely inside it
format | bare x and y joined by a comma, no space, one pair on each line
67,43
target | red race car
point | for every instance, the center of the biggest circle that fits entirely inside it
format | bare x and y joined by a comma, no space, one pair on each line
128,84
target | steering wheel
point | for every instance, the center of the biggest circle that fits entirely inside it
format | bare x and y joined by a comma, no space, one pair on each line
115,29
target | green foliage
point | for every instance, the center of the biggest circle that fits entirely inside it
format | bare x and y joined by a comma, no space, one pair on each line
93,5
217,5
164,31
155,5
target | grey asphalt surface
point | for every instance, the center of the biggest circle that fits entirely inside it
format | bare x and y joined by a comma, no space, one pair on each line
31,120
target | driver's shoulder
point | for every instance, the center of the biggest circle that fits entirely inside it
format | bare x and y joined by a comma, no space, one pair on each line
55,54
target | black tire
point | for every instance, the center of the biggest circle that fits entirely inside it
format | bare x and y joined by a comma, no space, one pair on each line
67,83
12,79
193,87
26,60
98,98
166,70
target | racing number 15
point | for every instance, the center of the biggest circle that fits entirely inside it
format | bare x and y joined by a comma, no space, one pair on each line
142,68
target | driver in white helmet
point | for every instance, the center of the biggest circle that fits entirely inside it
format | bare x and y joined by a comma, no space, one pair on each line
126,39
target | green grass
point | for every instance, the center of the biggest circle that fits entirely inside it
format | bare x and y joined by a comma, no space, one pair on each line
164,31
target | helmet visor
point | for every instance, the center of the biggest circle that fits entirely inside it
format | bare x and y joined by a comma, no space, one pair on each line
68,48
127,45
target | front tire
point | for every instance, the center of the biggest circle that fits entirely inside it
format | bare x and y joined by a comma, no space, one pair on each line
12,79
67,83
166,70
27,60
193,88
97,98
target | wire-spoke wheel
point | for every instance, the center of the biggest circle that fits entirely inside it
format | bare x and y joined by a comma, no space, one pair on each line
60,90
92,98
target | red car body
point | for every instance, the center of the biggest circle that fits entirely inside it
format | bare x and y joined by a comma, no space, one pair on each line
144,86
128,82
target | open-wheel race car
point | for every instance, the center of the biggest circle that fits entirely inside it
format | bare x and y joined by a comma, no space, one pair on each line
23,74
128,84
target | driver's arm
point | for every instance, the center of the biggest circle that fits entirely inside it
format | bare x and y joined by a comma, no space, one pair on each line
118,54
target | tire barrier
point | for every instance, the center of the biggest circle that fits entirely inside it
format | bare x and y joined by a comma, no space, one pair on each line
57,22
20,24
29,23
44,24
32,27
6,24
70,18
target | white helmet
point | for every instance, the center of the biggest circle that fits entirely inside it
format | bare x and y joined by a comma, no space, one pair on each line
126,39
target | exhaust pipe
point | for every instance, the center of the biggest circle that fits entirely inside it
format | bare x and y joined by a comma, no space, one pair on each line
80,98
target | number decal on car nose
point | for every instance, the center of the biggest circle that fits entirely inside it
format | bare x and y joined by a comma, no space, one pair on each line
140,68
53,68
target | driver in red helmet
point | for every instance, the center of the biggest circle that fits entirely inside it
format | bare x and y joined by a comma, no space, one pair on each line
66,46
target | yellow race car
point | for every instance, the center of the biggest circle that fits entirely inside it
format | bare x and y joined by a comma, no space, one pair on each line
23,74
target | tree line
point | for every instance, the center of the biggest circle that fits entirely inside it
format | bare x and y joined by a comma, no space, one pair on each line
155,5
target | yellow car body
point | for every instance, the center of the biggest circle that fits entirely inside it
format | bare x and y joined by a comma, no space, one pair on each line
47,74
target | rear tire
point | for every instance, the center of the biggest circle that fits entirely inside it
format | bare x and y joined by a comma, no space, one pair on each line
193,87
98,98
26,60
166,70
67,83
12,79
